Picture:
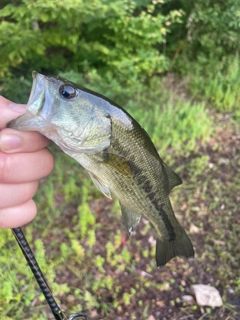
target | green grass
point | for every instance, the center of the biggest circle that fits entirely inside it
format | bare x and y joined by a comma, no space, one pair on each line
219,83
81,244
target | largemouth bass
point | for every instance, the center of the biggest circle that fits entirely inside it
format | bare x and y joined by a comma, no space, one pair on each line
117,153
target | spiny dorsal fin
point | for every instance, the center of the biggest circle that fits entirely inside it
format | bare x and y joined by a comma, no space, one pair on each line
173,179
130,218
102,187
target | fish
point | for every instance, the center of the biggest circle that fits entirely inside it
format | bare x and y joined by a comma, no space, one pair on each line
116,151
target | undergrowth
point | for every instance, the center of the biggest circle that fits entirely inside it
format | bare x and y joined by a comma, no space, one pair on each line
219,83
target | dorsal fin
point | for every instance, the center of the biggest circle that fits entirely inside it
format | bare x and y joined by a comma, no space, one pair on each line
173,179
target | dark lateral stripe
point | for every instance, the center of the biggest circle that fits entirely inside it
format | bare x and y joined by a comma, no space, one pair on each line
167,222
161,211
151,195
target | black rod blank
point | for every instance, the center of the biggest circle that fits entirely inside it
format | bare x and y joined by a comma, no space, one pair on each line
29,256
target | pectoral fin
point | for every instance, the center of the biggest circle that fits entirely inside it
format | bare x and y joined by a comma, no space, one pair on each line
102,187
173,179
117,162
130,218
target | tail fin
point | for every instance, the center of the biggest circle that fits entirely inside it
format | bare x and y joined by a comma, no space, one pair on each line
181,247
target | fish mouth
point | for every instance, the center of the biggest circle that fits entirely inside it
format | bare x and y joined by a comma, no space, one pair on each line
32,119
37,95
34,84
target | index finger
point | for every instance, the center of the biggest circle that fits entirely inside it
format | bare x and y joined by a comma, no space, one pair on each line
9,111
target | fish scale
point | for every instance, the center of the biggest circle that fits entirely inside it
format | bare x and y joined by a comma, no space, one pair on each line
118,154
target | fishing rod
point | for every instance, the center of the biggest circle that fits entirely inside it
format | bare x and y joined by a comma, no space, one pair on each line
32,262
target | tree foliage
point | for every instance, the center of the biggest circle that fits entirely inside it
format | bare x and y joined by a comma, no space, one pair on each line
117,36
126,41
213,28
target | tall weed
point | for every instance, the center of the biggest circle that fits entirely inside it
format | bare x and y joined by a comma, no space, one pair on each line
219,83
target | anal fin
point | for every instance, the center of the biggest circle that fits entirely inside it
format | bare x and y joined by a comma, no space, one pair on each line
130,218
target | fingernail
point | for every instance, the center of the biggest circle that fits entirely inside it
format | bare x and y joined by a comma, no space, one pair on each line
10,142
20,108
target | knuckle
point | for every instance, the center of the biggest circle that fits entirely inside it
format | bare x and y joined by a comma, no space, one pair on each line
5,167
29,190
48,161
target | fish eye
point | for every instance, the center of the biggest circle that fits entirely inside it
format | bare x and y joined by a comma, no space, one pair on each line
67,92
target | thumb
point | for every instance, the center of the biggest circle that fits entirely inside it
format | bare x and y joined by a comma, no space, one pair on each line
9,111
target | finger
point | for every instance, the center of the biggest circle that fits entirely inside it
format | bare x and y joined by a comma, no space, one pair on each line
18,216
15,194
12,141
25,167
9,111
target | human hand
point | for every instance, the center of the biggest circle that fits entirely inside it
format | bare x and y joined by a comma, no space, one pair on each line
24,159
